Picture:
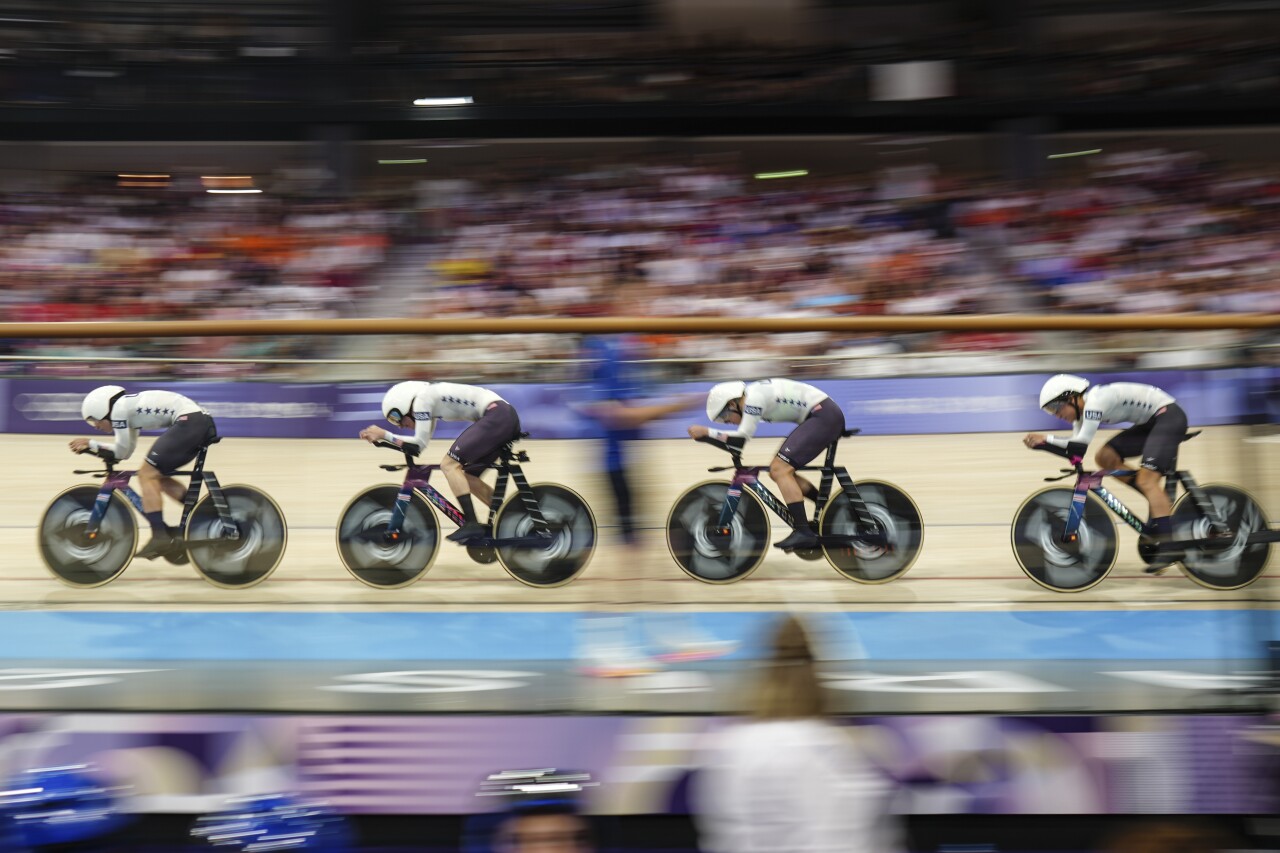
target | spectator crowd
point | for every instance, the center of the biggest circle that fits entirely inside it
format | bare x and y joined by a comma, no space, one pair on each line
1138,231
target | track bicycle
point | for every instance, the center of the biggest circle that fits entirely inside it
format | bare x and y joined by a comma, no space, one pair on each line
234,536
543,535
870,531
1064,540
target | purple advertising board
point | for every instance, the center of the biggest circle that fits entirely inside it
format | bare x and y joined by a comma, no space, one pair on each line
904,406
433,764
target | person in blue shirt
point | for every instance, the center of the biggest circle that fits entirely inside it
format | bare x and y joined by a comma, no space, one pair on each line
617,404
617,401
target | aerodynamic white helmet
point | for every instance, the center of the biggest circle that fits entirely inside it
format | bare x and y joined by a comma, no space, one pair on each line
98,402
1058,388
398,401
722,395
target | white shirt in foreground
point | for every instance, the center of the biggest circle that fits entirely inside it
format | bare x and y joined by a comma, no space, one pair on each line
791,786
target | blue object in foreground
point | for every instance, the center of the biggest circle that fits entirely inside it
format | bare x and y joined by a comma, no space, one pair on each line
278,822
60,805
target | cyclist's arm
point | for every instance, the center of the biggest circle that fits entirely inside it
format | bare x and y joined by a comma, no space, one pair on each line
746,429
618,414
424,427
1078,443
122,447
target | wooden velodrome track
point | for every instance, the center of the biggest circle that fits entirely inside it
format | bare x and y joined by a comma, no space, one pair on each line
967,487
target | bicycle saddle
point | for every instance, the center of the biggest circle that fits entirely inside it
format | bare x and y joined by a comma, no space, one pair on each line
512,443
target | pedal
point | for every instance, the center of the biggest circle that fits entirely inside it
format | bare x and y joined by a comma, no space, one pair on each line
1158,557
471,532
786,546
154,549
177,554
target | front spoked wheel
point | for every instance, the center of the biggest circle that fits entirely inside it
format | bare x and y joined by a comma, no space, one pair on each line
707,552
1064,566
381,559
244,553
1222,562
559,555
887,548
71,554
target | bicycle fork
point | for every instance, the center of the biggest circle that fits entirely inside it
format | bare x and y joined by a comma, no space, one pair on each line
418,479
734,496
113,482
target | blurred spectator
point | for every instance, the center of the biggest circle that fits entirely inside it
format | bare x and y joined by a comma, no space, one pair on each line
789,779
540,813
1139,230
619,400
89,253
553,826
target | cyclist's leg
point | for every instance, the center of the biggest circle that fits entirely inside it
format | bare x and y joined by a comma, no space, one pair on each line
481,491
804,443
1127,444
175,489
802,446
175,448
784,474
1160,457
807,489
472,452
149,485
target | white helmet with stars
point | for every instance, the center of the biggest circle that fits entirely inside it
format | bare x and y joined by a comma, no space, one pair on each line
721,395
98,402
398,401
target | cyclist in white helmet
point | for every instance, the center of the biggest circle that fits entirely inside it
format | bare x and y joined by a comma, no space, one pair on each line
419,405
187,428
820,421
1159,427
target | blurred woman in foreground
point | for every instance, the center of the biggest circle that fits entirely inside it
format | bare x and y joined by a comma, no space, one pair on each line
788,779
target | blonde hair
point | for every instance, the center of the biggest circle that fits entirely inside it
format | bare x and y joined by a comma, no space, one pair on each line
787,687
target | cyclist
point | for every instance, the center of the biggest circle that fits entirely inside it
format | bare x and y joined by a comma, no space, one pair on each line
820,420
419,405
1159,426
187,428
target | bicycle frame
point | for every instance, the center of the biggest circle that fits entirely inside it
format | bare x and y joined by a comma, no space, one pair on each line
1091,481
417,477
118,481
749,477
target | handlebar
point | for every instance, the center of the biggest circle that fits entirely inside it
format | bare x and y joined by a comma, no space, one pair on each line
733,447
1077,463
402,448
106,456
409,455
